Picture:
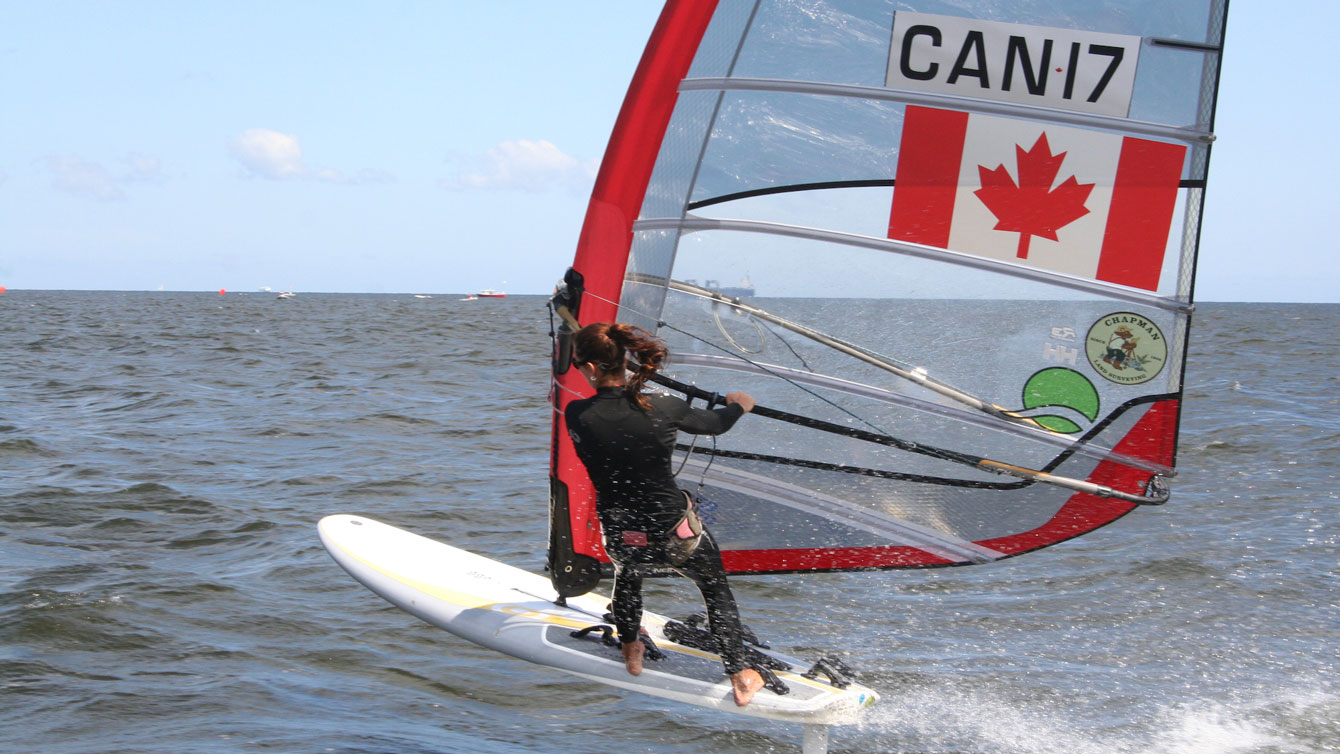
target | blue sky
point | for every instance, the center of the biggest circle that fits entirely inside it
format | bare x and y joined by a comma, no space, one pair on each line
450,146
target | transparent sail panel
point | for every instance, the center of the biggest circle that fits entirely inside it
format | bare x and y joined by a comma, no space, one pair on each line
949,248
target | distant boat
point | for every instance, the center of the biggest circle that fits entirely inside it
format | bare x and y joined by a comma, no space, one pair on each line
490,293
745,288
286,294
471,297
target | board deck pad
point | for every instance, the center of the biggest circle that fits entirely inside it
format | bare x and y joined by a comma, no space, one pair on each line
513,611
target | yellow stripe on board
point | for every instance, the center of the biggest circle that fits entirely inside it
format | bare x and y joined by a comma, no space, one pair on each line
468,600
463,599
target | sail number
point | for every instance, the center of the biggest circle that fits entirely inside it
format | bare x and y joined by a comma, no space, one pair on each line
1070,69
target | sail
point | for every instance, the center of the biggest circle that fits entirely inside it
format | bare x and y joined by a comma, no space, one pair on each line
969,230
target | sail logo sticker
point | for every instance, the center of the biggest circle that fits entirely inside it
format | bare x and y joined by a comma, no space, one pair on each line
1126,348
1071,69
1060,388
1086,203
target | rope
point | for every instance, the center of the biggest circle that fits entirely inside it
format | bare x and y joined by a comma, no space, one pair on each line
761,367
1154,494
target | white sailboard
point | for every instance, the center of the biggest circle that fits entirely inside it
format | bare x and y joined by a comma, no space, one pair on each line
515,612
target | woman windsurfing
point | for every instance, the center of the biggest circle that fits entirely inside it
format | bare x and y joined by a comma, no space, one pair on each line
625,439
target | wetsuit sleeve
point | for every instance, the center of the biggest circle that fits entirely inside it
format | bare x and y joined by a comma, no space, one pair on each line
701,421
572,417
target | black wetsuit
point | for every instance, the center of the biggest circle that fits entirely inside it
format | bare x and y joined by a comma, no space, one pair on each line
627,453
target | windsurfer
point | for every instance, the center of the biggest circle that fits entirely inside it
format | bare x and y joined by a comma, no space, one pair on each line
625,439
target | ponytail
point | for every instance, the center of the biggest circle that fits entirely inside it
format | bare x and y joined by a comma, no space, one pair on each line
607,347
649,353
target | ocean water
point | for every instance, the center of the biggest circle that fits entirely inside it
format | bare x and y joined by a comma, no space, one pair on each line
164,458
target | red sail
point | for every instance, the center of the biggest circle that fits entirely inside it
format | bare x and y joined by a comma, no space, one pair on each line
964,276
607,232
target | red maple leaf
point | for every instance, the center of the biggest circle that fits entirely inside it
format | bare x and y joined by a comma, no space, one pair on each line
1033,207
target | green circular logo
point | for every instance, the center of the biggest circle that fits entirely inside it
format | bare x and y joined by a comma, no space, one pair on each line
1126,348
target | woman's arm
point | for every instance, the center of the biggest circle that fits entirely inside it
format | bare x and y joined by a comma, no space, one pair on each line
702,421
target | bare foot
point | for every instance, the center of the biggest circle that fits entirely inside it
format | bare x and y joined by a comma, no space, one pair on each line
747,682
632,656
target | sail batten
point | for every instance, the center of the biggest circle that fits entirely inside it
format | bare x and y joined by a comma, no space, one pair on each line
691,224
965,240
884,395
1183,44
1191,134
898,532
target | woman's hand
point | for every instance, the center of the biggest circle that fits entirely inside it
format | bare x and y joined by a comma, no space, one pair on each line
745,400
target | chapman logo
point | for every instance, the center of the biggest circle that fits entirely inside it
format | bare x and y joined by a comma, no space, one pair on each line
1126,348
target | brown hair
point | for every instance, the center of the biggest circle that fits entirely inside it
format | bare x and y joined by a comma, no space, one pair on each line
606,347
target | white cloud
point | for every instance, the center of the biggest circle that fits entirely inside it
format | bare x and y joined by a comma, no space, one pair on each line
269,154
144,168
74,175
278,156
90,180
525,165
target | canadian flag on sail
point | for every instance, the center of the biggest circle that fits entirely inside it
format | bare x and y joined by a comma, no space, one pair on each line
1086,203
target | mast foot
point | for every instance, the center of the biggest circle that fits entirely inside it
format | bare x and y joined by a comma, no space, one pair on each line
816,739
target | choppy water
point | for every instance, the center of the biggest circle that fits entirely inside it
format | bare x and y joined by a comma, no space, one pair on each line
164,459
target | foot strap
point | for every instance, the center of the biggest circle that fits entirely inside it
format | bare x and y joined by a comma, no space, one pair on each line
839,675
606,635
701,638
608,638
654,652
699,620
772,682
